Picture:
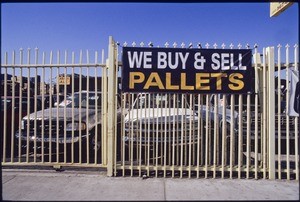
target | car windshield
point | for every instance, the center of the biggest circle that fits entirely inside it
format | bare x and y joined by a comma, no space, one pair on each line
87,100
160,101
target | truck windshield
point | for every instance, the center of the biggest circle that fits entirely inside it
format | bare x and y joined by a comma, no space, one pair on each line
160,101
87,100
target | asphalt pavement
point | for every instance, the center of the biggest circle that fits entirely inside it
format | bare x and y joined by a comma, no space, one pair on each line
68,185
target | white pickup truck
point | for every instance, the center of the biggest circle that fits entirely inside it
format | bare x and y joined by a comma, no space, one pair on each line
151,117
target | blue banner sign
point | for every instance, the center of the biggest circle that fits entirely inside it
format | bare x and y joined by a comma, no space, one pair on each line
187,70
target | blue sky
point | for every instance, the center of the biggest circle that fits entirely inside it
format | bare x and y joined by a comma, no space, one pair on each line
82,26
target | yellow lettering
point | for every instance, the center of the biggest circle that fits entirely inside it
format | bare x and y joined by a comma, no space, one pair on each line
237,83
169,86
135,77
154,80
219,80
183,83
202,78
202,81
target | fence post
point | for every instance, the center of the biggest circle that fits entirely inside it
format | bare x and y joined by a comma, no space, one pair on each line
104,113
271,111
111,101
257,62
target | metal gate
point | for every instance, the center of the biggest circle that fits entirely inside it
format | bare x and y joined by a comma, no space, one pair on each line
54,109
213,135
65,111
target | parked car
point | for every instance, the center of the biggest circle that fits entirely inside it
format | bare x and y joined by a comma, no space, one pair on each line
73,124
281,116
157,121
153,119
10,110
157,112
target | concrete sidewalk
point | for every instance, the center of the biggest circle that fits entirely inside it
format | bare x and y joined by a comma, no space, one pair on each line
49,185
